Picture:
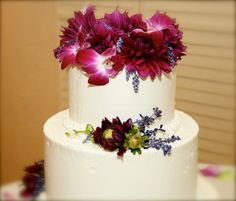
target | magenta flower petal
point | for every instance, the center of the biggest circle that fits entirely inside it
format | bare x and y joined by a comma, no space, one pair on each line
157,37
98,78
130,67
159,22
210,171
164,66
99,67
143,72
87,57
110,52
67,60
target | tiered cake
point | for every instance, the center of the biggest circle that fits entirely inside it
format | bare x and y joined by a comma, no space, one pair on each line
101,148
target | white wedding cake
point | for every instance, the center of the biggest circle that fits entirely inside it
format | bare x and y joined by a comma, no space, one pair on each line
121,138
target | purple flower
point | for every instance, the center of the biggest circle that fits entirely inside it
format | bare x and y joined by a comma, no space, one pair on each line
98,66
145,55
33,179
79,26
67,53
122,23
37,168
111,135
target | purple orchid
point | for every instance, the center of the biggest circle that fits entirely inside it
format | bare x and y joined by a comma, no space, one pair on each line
97,66
67,53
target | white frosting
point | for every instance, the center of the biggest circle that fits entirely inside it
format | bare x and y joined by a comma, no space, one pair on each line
86,172
90,104
170,128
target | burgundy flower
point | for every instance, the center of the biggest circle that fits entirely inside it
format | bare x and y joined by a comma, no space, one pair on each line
79,26
111,135
36,168
142,54
172,36
33,180
102,37
122,23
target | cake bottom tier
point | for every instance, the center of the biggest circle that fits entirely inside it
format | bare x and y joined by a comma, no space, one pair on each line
83,171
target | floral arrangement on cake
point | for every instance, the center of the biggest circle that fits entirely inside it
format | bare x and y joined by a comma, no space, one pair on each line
129,135
101,48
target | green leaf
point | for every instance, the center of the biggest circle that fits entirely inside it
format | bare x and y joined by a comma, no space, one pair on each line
133,151
134,130
67,134
145,138
139,151
89,128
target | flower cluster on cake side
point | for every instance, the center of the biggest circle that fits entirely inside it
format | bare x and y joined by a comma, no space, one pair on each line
129,135
33,180
103,47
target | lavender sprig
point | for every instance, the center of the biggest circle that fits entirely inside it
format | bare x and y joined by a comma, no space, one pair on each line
171,56
88,137
163,143
119,44
148,120
135,80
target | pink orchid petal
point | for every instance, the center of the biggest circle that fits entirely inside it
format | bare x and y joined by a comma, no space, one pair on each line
90,69
210,171
87,57
99,78
67,60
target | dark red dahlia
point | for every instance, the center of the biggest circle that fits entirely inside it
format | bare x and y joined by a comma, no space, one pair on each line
102,37
123,23
79,26
33,179
144,54
111,135
37,168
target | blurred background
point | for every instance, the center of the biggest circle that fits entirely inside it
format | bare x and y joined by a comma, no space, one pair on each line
33,87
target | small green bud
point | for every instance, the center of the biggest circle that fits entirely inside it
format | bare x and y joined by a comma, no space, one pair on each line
89,129
107,134
134,130
135,141
67,134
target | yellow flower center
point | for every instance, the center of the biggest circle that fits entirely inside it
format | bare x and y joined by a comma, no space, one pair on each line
107,134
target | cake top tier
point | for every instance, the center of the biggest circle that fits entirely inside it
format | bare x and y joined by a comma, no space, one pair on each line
103,47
